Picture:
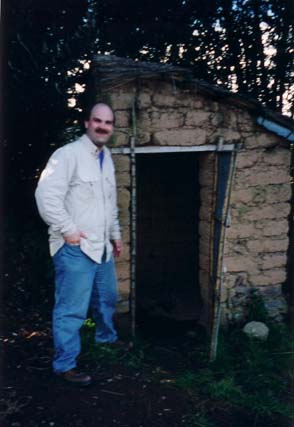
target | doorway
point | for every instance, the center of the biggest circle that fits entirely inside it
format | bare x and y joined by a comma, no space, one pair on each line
167,286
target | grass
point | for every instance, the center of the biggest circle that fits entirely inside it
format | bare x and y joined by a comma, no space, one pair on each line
134,359
96,353
249,376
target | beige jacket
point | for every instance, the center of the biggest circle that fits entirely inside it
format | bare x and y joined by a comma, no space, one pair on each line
74,194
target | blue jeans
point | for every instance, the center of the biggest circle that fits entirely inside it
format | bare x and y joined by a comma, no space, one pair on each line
81,282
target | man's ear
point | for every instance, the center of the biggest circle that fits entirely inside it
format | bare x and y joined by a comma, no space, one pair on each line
86,123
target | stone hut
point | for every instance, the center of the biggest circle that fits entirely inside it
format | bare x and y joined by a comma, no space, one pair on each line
204,193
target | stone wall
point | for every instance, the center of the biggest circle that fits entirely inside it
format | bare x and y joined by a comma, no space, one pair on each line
257,239
123,180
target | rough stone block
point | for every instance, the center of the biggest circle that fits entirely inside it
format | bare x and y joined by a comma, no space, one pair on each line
204,262
125,232
166,119
123,270
268,277
124,198
262,176
181,137
241,231
197,118
122,162
230,135
229,283
205,250
241,196
273,228
161,99
236,247
236,264
246,159
144,99
121,138
122,99
124,217
204,212
143,120
165,96
123,179
255,213
204,227
270,261
268,245
260,194
124,288
143,138
256,330
122,118
277,157
206,179
261,140
277,193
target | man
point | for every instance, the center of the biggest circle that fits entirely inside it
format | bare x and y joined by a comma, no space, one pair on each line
76,197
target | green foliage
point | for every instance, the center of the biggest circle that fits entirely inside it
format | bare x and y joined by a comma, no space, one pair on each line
187,380
247,373
135,359
256,308
224,389
93,352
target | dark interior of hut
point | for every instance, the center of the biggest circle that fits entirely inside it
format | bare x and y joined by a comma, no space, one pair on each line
168,298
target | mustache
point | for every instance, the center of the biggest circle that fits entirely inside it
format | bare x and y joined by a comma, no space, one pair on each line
103,131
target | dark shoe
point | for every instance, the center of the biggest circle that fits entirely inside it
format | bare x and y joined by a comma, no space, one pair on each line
75,377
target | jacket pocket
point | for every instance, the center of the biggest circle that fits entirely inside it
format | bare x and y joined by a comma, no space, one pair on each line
85,186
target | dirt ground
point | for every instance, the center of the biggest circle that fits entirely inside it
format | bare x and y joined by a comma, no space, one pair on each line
130,389
121,395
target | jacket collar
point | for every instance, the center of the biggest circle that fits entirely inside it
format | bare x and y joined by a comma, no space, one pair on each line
91,147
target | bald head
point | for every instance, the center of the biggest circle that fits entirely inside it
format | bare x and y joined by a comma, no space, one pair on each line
88,111
99,126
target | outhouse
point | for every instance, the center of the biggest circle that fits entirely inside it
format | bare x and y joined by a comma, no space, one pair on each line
204,193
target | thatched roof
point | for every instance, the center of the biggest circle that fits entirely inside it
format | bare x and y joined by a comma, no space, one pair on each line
114,71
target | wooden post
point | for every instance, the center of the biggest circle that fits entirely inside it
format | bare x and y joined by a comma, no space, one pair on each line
219,268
